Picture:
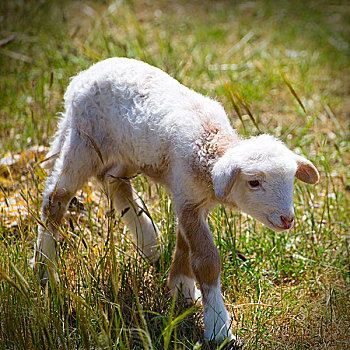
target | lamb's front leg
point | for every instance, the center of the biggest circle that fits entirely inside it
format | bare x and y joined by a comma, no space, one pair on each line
181,277
206,266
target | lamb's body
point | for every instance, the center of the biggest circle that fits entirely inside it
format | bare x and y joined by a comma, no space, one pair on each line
141,118
125,117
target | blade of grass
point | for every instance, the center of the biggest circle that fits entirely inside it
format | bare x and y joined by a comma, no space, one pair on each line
246,106
291,89
229,93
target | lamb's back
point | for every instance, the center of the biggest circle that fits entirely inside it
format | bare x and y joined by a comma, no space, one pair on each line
138,108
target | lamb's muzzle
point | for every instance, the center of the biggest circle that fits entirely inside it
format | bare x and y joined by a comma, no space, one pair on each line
287,223
124,117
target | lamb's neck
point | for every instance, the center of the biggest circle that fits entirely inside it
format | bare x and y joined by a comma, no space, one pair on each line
208,148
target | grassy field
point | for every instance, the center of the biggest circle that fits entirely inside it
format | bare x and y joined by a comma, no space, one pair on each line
281,67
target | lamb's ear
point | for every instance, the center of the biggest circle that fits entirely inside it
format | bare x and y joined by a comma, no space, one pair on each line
224,174
306,171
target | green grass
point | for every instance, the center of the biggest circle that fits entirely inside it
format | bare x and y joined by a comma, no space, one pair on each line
278,67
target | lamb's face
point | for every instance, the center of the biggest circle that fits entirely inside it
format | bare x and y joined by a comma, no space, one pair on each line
257,176
266,193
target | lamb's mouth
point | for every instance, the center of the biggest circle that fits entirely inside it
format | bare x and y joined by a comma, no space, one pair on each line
274,226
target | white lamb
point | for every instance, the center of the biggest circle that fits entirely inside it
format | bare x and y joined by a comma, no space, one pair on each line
124,117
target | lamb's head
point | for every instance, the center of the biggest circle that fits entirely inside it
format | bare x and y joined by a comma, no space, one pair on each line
257,176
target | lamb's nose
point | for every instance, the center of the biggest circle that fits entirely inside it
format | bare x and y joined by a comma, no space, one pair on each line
287,223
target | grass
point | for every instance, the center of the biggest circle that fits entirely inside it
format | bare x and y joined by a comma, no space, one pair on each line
281,68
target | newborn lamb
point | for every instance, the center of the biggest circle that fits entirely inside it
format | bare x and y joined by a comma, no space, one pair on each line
124,117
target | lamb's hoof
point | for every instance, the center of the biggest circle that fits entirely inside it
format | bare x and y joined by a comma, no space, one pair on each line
234,344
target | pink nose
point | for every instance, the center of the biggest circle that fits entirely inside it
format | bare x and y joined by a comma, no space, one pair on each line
286,223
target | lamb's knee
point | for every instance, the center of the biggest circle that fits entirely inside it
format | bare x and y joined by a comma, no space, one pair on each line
206,266
55,205
53,209
146,236
143,231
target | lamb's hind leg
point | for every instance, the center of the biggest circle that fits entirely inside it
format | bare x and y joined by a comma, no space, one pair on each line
66,178
133,214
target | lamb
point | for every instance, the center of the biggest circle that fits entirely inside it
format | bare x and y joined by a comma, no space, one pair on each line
124,117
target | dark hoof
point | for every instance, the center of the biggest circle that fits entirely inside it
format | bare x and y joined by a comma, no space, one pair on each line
235,344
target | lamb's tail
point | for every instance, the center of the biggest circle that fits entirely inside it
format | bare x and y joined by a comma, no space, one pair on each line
57,143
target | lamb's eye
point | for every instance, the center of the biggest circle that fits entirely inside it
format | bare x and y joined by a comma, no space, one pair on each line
254,183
